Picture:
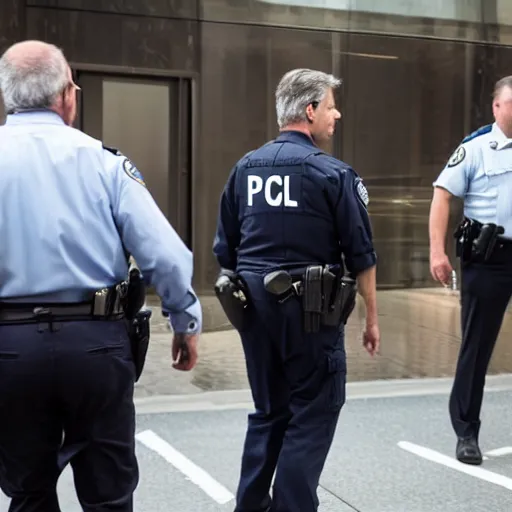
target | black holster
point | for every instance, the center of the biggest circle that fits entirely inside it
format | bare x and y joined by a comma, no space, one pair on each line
133,295
328,299
464,235
232,294
476,241
343,304
139,333
483,245
312,298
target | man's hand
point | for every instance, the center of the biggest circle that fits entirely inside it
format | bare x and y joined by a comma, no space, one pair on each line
371,339
184,351
441,268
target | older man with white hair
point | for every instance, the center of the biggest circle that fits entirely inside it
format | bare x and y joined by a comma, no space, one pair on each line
70,212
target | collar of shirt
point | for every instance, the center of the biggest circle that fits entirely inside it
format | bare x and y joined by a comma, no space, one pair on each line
297,137
39,116
499,138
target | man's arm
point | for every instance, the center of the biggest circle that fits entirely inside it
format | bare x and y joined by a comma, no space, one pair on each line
367,286
438,219
356,239
227,235
453,181
164,260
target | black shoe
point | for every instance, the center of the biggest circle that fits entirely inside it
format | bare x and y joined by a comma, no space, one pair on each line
468,451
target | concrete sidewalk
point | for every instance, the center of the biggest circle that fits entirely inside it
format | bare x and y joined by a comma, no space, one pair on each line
420,338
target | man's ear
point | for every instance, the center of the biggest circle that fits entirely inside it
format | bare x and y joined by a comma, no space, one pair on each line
310,112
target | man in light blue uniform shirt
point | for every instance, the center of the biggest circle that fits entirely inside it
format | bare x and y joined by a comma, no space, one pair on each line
69,209
479,172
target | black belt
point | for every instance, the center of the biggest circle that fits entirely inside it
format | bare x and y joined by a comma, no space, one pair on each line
33,313
504,242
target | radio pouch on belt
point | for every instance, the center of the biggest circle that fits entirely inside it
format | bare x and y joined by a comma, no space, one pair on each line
312,299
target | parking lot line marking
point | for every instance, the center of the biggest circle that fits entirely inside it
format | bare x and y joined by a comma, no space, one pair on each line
498,452
199,476
439,458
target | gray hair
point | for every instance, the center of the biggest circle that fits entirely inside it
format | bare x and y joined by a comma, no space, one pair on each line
297,89
33,81
501,84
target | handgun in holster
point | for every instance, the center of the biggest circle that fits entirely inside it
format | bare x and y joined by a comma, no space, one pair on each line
343,302
476,241
233,296
483,245
133,296
464,234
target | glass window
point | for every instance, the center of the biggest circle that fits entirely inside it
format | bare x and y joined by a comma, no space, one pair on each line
454,19
403,115
504,12
405,107
444,9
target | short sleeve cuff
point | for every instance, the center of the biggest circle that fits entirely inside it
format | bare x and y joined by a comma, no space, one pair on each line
448,187
362,262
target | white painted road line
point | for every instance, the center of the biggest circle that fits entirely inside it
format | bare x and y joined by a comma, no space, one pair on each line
444,460
196,474
498,452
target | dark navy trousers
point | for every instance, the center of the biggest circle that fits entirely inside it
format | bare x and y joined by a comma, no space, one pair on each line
67,397
485,293
298,387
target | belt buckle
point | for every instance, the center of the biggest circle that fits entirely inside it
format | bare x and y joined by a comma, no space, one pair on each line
40,311
44,315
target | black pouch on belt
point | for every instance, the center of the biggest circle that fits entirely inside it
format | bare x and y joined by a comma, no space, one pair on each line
312,299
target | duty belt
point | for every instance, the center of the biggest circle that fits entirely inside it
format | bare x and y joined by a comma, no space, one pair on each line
104,306
477,242
327,298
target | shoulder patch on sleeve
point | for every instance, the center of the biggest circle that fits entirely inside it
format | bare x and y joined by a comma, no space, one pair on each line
132,171
481,131
362,193
457,157
128,166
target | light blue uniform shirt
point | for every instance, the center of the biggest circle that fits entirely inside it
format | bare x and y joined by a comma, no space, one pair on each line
63,198
480,172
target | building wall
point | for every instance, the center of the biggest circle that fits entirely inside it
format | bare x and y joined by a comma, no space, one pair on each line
414,85
407,101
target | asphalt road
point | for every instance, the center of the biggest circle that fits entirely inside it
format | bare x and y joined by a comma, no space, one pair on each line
393,452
